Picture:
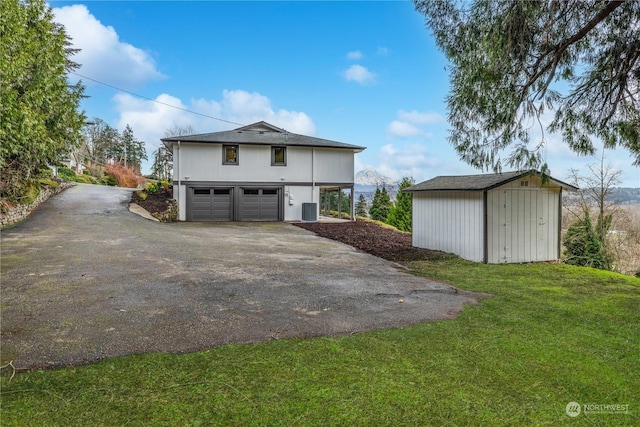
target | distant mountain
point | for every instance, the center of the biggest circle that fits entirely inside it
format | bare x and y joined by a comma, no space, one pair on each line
366,182
625,196
371,177
617,195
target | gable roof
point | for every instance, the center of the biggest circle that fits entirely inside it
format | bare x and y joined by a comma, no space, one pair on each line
260,133
481,182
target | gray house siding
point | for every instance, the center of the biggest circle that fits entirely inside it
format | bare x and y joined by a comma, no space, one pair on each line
259,188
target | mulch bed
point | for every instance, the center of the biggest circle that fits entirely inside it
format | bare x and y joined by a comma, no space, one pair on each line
387,243
154,203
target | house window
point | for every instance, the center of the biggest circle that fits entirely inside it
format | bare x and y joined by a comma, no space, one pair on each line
229,154
278,156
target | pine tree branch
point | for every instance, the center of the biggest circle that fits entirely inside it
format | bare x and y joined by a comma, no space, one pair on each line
560,49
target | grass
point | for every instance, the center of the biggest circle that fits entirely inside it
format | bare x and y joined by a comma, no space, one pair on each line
551,334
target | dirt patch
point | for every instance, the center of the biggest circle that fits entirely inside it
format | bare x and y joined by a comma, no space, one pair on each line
370,237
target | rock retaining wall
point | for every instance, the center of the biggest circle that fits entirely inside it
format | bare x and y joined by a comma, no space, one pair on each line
20,212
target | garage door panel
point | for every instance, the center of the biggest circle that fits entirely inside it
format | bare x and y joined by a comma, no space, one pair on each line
250,208
211,204
260,204
218,204
200,204
222,204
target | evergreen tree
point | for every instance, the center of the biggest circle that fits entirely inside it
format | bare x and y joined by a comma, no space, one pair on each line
582,245
380,205
39,119
400,213
162,164
134,150
374,209
361,206
513,61
99,140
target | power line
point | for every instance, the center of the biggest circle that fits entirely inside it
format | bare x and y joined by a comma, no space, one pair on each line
155,100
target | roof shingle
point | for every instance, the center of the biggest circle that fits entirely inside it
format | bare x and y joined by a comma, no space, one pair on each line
480,182
261,133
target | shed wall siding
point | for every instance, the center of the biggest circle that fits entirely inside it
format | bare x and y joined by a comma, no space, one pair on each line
450,221
522,223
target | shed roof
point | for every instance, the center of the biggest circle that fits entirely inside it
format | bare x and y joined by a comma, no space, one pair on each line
480,182
260,133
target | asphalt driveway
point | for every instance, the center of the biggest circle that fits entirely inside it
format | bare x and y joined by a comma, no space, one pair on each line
84,279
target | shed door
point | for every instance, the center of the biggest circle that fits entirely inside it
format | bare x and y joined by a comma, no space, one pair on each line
259,204
529,225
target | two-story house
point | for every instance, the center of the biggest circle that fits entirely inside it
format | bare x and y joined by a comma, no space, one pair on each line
257,172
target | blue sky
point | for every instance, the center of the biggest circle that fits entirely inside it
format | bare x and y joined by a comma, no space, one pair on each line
361,72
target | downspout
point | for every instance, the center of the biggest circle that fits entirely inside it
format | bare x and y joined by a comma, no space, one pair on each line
313,176
179,180
179,169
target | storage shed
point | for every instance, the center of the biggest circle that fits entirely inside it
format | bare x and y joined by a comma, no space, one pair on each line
510,217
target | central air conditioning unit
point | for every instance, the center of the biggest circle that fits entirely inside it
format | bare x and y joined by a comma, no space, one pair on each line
310,212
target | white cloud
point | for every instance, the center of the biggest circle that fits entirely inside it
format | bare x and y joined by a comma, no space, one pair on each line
413,160
419,118
359,74
244,107
150,119
355,55
103,56
403,129
408,123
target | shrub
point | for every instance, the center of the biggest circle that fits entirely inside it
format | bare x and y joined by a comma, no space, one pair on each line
170,214
66,173
30,193
125,176
48,182
142,195
109,180
86,179
582,246
152,187
46,173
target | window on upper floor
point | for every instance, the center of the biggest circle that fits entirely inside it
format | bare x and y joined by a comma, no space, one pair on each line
278,156
229,154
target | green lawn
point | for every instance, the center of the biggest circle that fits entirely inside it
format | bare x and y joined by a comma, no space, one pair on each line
551,334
